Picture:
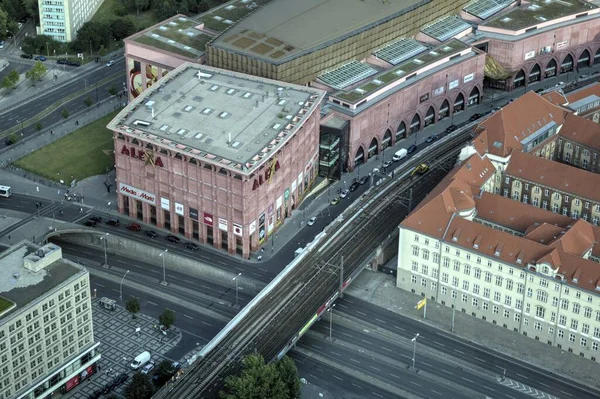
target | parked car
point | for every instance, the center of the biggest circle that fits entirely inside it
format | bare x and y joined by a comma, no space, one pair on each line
74,63
412,149
95,394
89,223
107,388
474,117
27,56
121,378
133,227
335,201
150,233
451,128
191,246
40,58
173,239
148,367
431,138
2,43
96,218
354,186
344,193
62,62
363,180
387,164
312,221
110,63
113,222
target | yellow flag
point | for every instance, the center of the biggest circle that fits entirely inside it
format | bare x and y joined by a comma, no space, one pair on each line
421,303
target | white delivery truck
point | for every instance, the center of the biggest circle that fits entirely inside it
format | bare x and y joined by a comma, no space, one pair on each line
399,155
140,360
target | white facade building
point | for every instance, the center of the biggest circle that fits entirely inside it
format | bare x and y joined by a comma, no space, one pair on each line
60,19
46,333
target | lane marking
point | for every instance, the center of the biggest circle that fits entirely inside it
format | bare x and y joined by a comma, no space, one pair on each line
399,328
361,313
100,285
335,353
541,383
358,386
507,395
152,303
387,349
189,317
396,376
354,360
342,306
335,376
346,334
446,371
210,325
381,321
376,394
566,393
435,342
426,364
414,383
348,300
522,376
315,346
408,357
374,368
461,352
367,342
481,360
466,379
493,390
436,392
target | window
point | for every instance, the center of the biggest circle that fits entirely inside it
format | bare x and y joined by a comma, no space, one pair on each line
542,296
454,295
506,314
478,260
476,289
445,278
456,266
595,345
477,273
561,334
550,330
465,298
526,321
436,257
509,284
496,296
517,317
475,302
529,292
465,285
486,292
413,279
554,301
576,308
415,250
562,320
485,306
467,270
499,281
425,254
416,238
540,312
574,324
543,283
564,304
571,337
596,332
488,277
425,269
423,282
455,281
507,300
434,273
519,288
446,262
433,285
538,326
585,328
527,307
415,266
444,291
587,312
518,304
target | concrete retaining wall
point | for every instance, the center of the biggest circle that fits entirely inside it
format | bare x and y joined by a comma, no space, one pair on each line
149,254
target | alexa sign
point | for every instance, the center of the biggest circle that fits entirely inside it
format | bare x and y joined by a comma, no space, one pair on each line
265,177
146,156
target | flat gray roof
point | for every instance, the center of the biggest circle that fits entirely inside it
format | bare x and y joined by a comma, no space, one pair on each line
284,29
22,286
223,117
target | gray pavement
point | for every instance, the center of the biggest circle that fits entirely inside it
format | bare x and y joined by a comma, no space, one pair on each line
379,289
120,343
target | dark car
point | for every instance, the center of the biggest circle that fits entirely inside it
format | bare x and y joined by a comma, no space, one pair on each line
411,149
89,223
363,180
431,138
96,218
173,239
113,222
62,62
474,117
74,63
133,227
96,394
150,233
27,56
451,128
121,378
40,58
191,246
107,388
354,186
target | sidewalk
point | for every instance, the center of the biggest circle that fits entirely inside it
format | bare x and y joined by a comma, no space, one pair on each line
380,289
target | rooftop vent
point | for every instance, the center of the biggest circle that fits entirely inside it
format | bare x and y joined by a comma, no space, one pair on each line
203,75
141,123
230,91
214,88
248,95
399,72
499,249
224,114
477,241
207,111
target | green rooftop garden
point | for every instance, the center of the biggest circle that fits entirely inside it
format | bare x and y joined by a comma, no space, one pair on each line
234,14
5,304
538,12
401,71
150,41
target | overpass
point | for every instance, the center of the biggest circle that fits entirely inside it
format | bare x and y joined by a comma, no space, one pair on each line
285,309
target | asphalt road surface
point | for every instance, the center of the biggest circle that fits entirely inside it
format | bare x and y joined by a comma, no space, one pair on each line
467,351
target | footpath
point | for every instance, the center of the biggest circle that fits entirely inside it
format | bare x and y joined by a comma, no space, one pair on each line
380,289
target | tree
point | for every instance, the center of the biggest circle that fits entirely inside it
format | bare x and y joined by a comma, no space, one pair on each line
163,373
64,113
133,307
140,5
260,380
3,23
13,138
112,90
38,126
167,318
102,51
140,387
31,6
90,36
36,72
121,27
10,81
199,6
164,8
88,101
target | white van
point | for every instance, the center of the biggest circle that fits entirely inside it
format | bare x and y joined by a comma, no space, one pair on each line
399,155
140,360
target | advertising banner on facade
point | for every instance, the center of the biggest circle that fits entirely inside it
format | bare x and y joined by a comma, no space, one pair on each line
271,224
261,228
453,84
208,219
252,227
468,78
193,213
165,204
136,193
279,202
237,229
222,224
294,186
179,208
529,55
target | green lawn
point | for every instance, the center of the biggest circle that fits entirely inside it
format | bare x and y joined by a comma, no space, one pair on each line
4,304
86,152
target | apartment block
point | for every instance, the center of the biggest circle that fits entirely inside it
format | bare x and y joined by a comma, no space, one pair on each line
46,333
60,19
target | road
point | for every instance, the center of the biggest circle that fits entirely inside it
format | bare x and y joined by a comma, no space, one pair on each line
82,86
470,352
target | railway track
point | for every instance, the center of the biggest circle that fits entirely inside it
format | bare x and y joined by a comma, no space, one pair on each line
276,321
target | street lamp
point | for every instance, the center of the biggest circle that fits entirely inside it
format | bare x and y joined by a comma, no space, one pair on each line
236,289
22,130
104,238
121,288
162,255
330,310
414,340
